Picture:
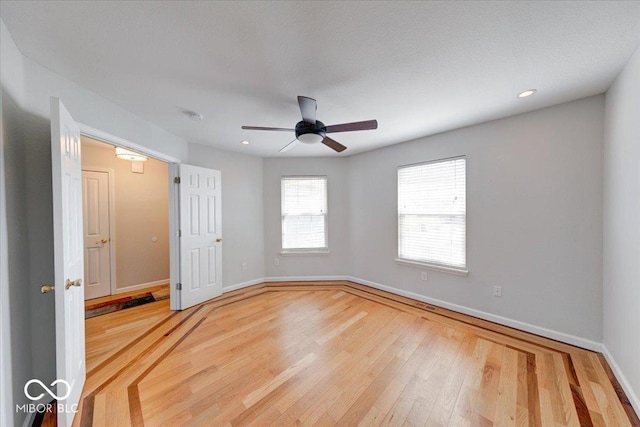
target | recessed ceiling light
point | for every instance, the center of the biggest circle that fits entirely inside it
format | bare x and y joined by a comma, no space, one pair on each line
196,117
527,93
245,142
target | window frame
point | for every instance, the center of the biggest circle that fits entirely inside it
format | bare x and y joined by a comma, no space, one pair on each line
431,265
305,251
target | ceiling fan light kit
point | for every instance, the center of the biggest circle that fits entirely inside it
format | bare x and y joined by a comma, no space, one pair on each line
312,131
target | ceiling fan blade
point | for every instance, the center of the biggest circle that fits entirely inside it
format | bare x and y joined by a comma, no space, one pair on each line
332,143
289,146
264,128
348,127
308,108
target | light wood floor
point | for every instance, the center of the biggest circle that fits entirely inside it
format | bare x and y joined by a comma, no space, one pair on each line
335,353
108,333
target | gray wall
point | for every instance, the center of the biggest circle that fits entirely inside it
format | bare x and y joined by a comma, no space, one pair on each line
6,381
337,262
15,283
622,225
534,215
242,218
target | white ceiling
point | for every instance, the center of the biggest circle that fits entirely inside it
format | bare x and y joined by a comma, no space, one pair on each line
419,68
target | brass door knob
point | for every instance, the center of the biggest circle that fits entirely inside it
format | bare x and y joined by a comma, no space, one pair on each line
103,241
45,289
218,240
69,283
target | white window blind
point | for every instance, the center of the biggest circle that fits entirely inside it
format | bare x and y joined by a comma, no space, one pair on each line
304,213
432,213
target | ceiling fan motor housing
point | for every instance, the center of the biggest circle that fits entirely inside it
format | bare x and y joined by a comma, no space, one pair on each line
310,133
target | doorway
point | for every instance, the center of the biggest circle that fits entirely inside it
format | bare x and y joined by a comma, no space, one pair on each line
126,222
125,212
202,219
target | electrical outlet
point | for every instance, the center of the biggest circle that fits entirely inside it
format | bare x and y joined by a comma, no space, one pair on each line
497,291
244,266
423,276
276,261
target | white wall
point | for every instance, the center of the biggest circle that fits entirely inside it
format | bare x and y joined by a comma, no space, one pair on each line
534,215
622,227
242,218
338,261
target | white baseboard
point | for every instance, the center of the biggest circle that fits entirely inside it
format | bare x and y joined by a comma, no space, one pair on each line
280,279
243,285
631,395
548,333
141,286
304,278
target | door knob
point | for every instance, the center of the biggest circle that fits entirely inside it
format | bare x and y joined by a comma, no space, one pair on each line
103,241
69,283
218,240
45,289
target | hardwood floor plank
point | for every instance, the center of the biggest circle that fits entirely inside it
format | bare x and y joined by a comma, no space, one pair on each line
506,403
533,392
445,405
284,376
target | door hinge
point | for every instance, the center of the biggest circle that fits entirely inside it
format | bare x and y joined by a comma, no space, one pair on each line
179,233
179,286
176,180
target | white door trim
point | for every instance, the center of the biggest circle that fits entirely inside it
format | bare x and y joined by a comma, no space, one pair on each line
112,222
174,240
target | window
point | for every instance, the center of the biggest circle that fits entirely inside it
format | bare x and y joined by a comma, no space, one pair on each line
304,213
432,214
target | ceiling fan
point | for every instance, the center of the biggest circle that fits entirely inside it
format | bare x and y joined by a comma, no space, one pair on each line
311,131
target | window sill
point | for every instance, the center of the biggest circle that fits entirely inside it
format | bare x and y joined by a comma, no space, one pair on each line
436,267
297,253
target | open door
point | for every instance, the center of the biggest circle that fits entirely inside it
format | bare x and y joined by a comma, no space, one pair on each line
68,258
200,235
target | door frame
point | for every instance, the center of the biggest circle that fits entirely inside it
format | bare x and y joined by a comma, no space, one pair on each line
112,223
173,171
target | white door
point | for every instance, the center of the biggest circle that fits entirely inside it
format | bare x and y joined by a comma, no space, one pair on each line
68,257
97,233
201,237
